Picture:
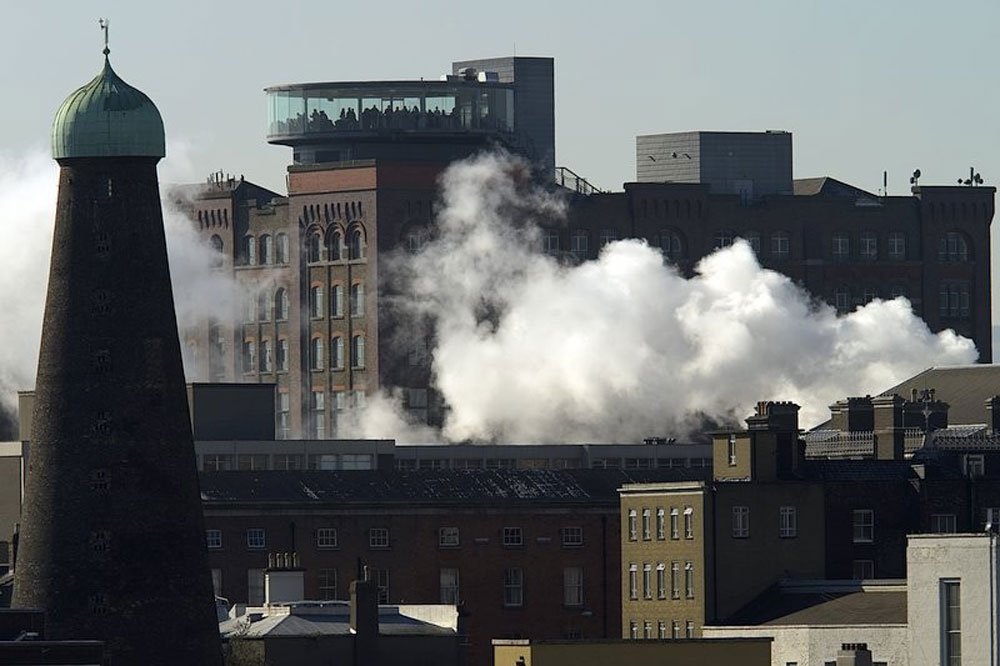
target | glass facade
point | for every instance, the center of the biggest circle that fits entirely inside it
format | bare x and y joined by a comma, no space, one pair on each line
414,106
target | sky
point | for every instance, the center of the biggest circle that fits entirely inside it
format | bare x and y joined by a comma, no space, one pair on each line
863,86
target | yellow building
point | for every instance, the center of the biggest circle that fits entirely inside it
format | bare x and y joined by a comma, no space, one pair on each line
695,552
696,652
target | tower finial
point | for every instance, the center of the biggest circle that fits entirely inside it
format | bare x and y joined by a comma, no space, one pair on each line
105,25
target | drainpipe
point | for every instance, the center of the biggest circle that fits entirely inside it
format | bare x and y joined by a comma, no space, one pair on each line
604,572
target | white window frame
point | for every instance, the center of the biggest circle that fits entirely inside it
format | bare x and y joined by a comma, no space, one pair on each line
213,539
741,522
647,524
647,581
661,524
633,581
256,538
512,537
572,587
448,537
326,538
513,587
675,580
661,581
326,583
378,537
571,536
788,525
688,522
633,528
675,532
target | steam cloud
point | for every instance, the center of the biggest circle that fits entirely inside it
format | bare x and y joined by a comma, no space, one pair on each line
28,186
531,350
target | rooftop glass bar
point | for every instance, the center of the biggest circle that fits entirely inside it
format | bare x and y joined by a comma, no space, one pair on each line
355,109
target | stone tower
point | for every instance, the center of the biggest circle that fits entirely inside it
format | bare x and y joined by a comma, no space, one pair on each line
112,541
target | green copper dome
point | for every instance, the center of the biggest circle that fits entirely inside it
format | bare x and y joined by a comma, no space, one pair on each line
107,118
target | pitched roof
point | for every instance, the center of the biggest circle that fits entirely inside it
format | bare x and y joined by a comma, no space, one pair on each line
964,387
867,470
827,186
838,603
433,487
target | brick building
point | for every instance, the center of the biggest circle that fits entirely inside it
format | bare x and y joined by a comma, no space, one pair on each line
695,553
523,553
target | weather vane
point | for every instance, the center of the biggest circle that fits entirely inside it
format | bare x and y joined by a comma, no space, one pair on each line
105,25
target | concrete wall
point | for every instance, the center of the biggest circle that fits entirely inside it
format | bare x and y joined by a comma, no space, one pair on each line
819,644
970,559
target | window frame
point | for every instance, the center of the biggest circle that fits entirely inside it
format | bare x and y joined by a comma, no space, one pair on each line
863,525
378,538
740,522
513,587
512,536
213,539
445,534
324,540
788,522
256,538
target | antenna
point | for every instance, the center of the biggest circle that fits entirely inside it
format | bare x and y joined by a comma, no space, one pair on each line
885,183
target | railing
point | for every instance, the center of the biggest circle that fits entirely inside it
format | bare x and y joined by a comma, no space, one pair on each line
567,178
843,445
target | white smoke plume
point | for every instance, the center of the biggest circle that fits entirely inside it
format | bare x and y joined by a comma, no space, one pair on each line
28,187
531,350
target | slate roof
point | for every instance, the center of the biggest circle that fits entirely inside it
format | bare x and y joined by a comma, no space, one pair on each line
433,487
964,387
330,619
866,471
849,605
827,186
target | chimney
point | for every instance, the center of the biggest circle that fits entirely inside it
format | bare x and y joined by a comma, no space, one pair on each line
775,416
854,654
284,579
993,414
774,436
364,620
852,415
888,427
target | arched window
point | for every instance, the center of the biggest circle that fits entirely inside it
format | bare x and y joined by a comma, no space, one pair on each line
250,250
333,245
337,353
316,354
281,304
781,242
282,355
337,301
671,245
281,256
217,248
263,306
314,248
357,245
316,302
358,352
953,248
357,300
266,250
249,356
250,308
266,358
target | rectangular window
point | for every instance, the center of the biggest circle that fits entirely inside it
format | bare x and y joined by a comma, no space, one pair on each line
661,630
841,247
449,586
741,522
675,580
317,404
633,531
607,236
863,569
943,523
633,581
975,465
284,415
573,586
382,585
287,461
674,528
788,523
864,525
732,450
327,583
512,537
689,580
256,538
675,630
661,581
647,527
572,537
951,622
647,629
255,587
689,629
213,539
448,537
897,245
513,587
378,537
633,630
326,537
647,581
215,463
550,241
688,522
246,462
661,524
579,244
